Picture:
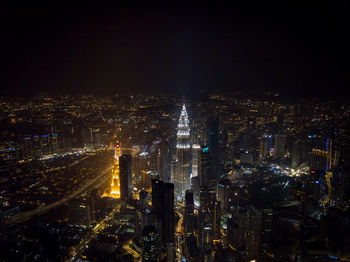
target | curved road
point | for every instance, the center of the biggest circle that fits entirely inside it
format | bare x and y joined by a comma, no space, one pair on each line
41,210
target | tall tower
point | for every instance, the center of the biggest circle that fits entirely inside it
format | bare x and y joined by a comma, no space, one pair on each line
183,152
114,191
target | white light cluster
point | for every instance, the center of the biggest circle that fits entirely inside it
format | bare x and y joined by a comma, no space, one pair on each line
183,133
183,146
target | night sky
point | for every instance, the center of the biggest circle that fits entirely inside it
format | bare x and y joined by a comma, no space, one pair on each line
294,47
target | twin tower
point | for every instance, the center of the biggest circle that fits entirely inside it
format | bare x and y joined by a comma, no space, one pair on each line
182,176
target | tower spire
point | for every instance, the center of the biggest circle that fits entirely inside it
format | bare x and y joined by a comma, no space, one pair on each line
115,184
182,177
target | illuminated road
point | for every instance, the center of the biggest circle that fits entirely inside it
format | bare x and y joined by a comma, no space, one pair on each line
128,249
100,226
41,210
179,235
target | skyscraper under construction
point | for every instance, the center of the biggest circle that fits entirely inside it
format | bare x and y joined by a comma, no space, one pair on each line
183,153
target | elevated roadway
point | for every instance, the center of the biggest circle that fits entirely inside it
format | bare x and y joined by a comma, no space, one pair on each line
22,217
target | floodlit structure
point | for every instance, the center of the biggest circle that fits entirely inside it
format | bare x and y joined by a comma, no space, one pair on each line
183,153
114,191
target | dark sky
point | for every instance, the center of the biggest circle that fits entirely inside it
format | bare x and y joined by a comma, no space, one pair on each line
295,47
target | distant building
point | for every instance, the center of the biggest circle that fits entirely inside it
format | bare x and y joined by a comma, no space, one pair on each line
265,146
246,158
298,154
250,135
280,144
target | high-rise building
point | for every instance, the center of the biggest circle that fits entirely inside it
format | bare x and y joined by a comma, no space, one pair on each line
196,190
253,232
280,143
188,221
150,244
168,218
163,209
250,135
195,159
125,177
164,162
206,171
189,213
157,191
170,253
265,146
236,229
217,220
207,221
81,211
173,170
183,154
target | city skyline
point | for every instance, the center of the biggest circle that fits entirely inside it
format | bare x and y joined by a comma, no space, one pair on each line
175,132
268,176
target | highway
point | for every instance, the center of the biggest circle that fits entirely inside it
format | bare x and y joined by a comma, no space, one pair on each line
128,249
43,209
179,235
100,226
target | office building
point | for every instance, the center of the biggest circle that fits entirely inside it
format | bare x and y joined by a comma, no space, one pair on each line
195,159
207,172
189,213
125,177
163,209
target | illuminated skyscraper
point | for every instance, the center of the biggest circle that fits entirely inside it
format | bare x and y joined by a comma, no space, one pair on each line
183,153
195,159
114,191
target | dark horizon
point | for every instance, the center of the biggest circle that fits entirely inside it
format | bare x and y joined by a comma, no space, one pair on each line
296,49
